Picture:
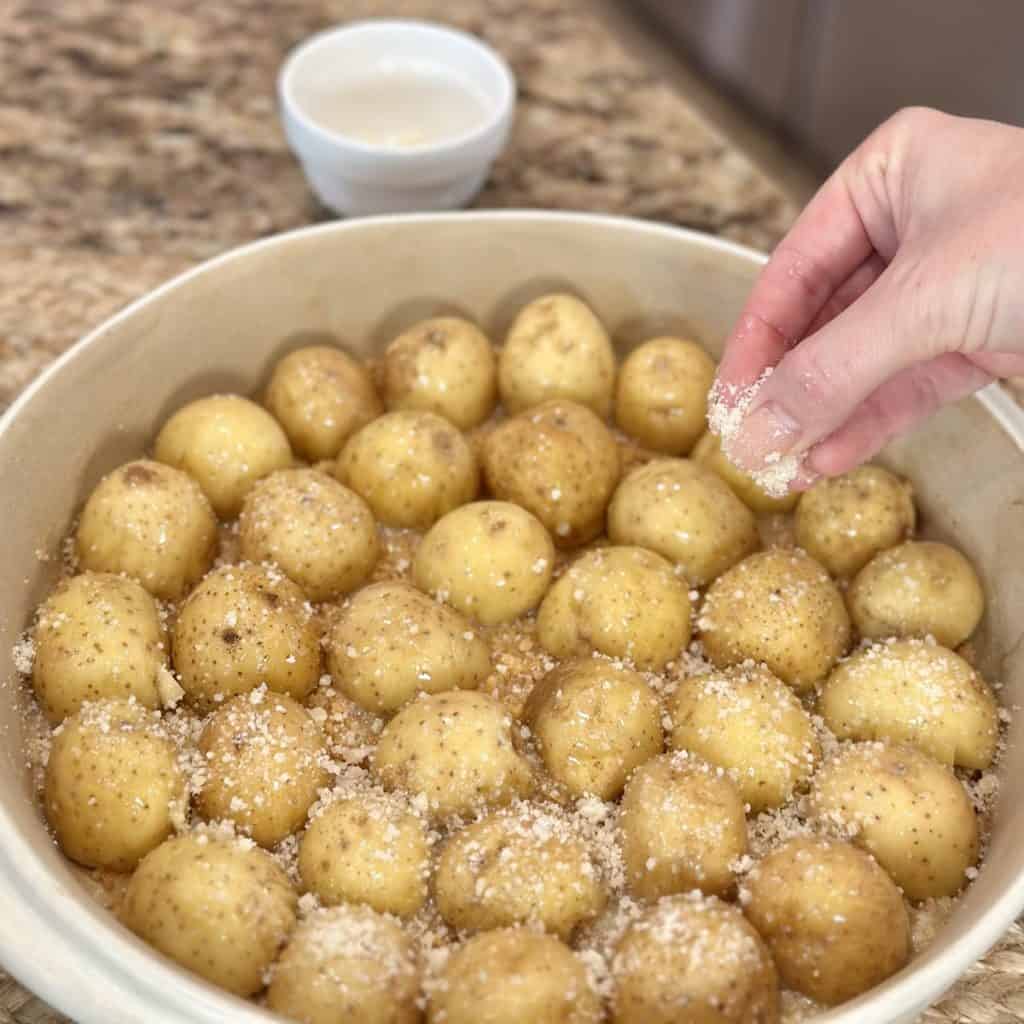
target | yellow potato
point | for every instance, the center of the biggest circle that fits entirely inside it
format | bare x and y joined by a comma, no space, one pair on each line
491,560
321,396
559,461
391,642
445,365
912,691
556,348
351,731
833,919
151,522
708,452
319,533
594,723
685,513
920,588
226,443
221,908
778,607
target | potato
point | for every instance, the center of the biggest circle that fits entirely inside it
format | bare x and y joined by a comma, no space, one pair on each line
708,453
391,642
351,732
625,602
321,396
318,532
221,908
746,720
526,864
445,365
113,786
594,723
558,461
347,965
150,522
910,812
912,691
97,636
410,467
693,958
845,521
264,763
683,826
243,626
685,513
226,443
514,975
455,750
920,588
366,848
490,560
833,919
778,607
556,348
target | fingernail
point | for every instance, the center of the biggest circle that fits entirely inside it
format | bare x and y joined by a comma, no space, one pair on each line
768,431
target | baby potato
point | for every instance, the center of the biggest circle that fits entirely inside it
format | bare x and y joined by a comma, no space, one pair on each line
833,919
910,812
683,825
625,602
391,642
347,965
525,864
321,396
661,397
594,723
747,721
263,765
708,453
97,636
685,513
351,732
920,588
113,787
491,560
366,848
151,522
778,607
558,461
245,625
845,521
514,975
410,467
319,533
693,958
455,750
226,443
219,907
445,365
912,691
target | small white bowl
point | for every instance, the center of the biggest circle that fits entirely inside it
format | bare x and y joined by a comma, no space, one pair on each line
355,177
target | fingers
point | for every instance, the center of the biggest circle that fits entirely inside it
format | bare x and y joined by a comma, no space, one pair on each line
849,291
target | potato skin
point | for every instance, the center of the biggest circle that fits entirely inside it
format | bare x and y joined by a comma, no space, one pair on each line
351,731
708,453
594,723
833,919
391,642
221,908
625,602
556,348
909,812
912,691
558,461
920,588
685,513
321,396
151,522
490,560
445,365
843,522
778,607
